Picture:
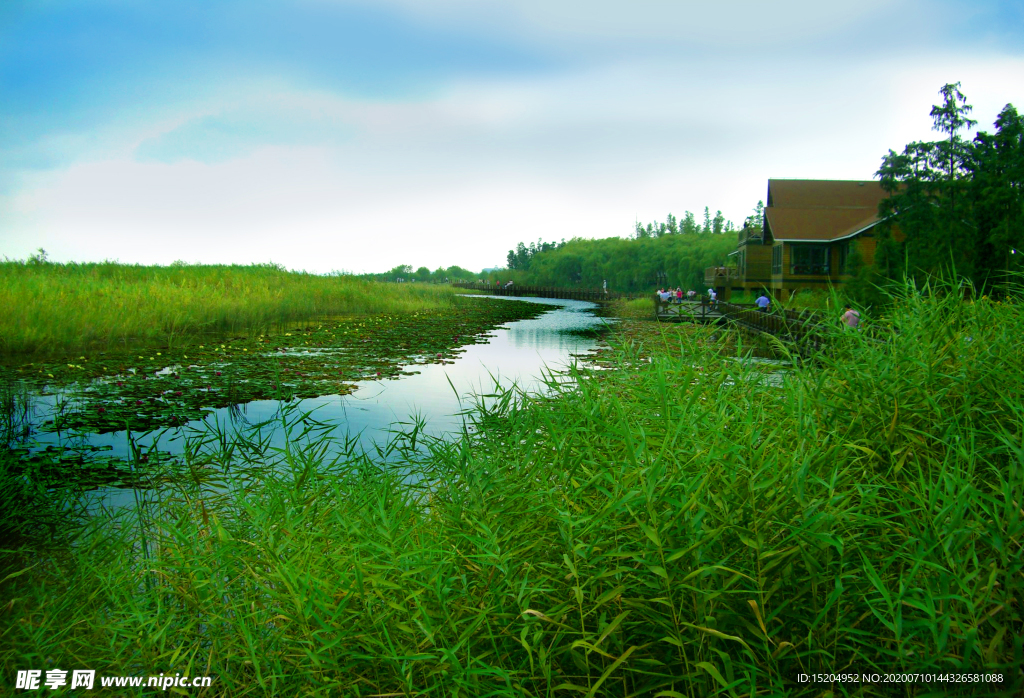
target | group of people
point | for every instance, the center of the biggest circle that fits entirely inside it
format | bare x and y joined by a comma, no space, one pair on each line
668,295
850,317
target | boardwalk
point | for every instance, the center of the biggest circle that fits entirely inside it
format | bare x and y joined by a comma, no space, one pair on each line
799,328
687,311
596,295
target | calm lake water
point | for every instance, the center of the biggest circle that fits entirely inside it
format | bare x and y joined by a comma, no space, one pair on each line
518,354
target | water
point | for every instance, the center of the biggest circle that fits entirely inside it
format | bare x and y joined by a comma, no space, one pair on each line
519,354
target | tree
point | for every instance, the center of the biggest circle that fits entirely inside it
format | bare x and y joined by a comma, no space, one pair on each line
950,118
456,272
402,271
522,256
755,222
689,226
718,224
707,221
998,192
927,185
958,203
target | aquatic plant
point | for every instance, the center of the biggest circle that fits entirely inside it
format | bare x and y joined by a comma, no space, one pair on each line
118,390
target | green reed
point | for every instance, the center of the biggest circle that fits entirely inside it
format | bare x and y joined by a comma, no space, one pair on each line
50,308
682,525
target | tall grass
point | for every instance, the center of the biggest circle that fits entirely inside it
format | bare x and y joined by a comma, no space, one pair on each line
677,527
51,307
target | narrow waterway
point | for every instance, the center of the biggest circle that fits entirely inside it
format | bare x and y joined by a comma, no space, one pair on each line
518,355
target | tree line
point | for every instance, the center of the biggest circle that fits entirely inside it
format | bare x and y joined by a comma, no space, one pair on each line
686,226
668,253
628,265
405,272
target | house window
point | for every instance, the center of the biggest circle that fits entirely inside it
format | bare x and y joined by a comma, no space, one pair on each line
777,259
809,259
845,248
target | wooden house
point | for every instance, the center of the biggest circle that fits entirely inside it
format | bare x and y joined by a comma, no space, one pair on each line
809,229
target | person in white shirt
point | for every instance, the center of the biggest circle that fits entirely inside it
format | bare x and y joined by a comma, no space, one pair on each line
762,302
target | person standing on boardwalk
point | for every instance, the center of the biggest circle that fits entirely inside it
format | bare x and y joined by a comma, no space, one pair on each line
713,298
851,317
762,302
679,294
606,287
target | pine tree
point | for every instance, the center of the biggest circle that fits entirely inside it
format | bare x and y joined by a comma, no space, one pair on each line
689,226
927,184
958,203
718,224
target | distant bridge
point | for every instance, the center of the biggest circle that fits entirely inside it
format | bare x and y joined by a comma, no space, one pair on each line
596,295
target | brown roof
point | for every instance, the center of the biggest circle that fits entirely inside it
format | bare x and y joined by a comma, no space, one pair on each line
820,210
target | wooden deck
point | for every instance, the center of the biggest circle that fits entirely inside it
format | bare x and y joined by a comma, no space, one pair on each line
800,329
688,311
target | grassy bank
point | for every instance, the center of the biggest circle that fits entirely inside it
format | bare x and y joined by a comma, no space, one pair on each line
675,527
52,308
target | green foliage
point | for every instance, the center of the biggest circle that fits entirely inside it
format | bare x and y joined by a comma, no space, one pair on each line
957,204
31,515
755,222
866,284
519,258
640,264
681,525
998,190
688,226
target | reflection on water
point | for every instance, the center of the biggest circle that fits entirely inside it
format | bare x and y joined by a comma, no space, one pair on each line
518,354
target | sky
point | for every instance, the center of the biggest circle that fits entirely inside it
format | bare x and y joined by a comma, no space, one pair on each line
357,135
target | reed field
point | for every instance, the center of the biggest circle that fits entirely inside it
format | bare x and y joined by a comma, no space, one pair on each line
50,308
683,523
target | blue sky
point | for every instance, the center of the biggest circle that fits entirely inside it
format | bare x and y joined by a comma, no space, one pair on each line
346,135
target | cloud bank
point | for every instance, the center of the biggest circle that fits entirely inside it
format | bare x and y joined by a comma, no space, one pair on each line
343,136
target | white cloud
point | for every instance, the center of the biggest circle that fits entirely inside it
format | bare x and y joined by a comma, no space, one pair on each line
460,176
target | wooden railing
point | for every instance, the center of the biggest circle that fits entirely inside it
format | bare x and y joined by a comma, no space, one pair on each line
699,309
804,328
719,276
800,327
